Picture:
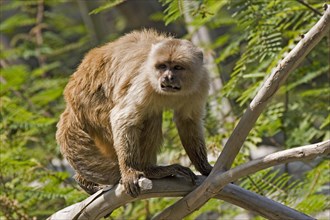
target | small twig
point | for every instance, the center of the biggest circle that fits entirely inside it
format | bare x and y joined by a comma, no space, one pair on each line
37,30
88,21
309,7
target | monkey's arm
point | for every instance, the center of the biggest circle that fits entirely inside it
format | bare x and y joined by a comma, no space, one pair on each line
126,133
192,138
136,147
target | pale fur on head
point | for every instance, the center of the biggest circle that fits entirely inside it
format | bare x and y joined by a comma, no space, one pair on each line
181,52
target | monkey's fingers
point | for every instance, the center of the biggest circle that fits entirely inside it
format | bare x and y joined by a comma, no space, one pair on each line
132,188
88,186
186,173
130,181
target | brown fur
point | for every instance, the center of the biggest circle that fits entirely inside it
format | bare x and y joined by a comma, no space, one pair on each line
111,130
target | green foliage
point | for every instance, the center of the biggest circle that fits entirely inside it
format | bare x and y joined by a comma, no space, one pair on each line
272,28
258,34
32,82
315,184
201,10
306,195
108,5
250,38
173,11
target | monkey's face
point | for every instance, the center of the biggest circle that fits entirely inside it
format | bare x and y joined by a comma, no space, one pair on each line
169,76
175,67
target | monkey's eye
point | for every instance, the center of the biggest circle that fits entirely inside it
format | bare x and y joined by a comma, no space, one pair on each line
161,66
177,67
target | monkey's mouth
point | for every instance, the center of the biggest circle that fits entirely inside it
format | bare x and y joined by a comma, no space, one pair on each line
169,88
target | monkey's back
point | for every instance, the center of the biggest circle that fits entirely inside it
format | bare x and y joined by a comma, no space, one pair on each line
105,73
84,130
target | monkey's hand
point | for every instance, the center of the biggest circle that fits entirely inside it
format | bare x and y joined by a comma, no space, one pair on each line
130,182
177,169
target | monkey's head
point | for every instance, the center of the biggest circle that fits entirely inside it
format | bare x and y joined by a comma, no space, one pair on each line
175,67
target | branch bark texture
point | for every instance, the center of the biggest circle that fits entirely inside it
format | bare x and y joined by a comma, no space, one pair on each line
205,191
107,200
192,203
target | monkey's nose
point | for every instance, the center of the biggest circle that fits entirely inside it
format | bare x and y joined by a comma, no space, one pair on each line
165,81
169,78
170,83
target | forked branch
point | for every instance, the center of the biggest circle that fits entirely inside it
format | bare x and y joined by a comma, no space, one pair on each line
106,201
204,192
218,182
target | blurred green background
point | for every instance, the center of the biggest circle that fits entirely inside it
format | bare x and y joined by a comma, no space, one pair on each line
43,42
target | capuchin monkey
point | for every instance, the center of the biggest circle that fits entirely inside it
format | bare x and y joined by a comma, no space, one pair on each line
111,129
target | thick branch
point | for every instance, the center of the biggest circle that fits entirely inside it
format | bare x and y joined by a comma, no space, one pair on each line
202,193
104,202
295,154
190,203
258,204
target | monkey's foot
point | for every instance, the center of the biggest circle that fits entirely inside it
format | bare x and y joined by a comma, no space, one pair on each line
158,172
90,187
184,172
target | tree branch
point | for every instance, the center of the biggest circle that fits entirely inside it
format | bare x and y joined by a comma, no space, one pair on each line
105,201
258,204
102,203
205,191
192,202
